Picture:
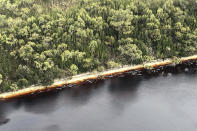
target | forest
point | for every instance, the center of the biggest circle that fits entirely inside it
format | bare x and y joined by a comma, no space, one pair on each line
41,40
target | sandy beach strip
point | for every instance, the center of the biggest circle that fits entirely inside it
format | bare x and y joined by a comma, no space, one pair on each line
88,76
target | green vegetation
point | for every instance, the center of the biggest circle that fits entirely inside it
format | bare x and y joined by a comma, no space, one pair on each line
41,40
1,79
176,61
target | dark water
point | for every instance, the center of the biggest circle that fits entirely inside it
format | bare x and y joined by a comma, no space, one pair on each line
123,104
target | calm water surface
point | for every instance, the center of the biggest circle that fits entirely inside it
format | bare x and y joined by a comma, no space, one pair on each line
123,104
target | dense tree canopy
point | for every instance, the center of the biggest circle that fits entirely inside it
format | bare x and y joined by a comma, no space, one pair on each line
41,40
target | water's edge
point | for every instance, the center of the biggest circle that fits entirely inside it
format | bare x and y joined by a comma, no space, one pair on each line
90,77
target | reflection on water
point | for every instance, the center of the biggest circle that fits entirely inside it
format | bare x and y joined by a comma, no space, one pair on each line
129,104
123,91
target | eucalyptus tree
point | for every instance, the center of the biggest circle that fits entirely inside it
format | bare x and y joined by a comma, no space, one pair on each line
46,39
130,53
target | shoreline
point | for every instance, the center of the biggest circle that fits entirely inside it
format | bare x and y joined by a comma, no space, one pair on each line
61,83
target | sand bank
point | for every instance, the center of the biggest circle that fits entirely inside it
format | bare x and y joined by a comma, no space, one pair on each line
88,76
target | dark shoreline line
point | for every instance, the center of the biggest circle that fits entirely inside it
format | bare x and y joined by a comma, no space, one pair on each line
138,71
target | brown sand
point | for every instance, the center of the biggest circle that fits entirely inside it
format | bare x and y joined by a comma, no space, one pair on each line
87,76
